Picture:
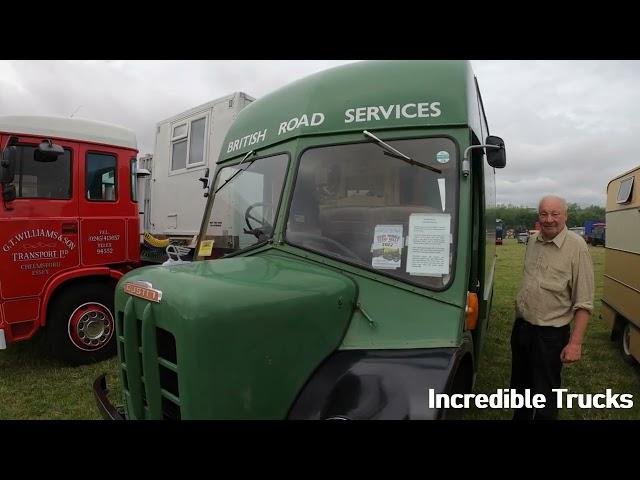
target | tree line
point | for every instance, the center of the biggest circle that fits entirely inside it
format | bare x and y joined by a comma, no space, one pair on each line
525,218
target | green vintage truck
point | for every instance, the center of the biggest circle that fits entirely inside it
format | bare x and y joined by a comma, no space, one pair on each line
345,261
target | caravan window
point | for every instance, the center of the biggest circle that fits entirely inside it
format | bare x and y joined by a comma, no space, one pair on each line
624,193
188,143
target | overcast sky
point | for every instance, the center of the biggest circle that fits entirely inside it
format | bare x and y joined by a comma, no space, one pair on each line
569,126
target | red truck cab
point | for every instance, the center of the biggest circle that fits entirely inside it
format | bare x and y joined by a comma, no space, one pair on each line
69,229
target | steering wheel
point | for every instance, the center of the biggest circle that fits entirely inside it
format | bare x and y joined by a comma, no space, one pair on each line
264,228
308,239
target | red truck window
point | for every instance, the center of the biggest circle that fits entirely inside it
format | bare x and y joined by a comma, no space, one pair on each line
42,180
102,178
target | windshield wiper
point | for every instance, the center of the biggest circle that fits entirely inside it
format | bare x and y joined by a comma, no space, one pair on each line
250,152
392,152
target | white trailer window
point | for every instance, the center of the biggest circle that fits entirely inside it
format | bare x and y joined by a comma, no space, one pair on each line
179,131
188,143
179,155
196,141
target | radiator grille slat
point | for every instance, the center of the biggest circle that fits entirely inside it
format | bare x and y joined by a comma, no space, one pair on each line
133,364
148,364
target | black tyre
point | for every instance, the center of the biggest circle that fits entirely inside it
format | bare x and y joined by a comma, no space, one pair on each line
80,323
462,383
625,339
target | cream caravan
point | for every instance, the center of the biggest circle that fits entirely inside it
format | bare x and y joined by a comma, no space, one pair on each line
621,298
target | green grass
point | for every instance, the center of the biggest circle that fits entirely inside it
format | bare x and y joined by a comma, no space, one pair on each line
601,366
35,386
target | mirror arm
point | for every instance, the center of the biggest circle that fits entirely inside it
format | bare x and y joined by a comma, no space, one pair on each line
466,163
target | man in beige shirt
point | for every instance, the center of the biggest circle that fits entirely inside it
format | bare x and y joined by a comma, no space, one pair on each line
557,287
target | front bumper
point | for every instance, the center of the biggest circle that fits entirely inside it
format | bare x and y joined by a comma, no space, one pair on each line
106,408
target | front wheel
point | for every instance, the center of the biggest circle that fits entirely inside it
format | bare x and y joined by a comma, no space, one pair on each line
80,324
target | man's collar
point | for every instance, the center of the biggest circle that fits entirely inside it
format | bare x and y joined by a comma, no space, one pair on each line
558,239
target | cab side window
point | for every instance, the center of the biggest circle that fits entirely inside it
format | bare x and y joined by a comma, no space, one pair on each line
42,180
101,177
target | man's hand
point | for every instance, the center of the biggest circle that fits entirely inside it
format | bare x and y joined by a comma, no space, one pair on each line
572,352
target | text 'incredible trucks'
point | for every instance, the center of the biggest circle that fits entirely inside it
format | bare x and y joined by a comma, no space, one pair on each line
354,214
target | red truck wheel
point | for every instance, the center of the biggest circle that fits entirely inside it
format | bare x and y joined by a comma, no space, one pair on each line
90,326
80,327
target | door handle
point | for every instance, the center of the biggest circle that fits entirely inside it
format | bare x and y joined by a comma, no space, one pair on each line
69,228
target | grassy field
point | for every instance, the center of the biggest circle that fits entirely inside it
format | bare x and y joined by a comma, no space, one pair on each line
34,386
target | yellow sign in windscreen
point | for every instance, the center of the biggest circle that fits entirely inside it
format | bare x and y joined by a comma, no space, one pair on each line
206,247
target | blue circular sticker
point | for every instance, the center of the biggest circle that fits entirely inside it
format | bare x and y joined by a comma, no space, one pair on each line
442,157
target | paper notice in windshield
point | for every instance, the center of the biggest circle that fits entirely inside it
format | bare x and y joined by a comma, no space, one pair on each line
428,244
387,247
206,247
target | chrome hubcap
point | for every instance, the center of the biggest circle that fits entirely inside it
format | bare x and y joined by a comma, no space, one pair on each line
91,326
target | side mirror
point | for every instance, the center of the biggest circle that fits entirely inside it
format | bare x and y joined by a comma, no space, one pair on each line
496,157
8,165
8,192
205,182
47,151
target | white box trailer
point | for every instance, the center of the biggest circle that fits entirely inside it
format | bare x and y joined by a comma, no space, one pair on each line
187,145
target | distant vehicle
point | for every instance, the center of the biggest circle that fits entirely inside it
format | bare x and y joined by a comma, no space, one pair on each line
499,231
523,237
588,229
598,234
621,286
578,230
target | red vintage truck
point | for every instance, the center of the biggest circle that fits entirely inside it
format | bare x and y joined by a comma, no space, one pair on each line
69,229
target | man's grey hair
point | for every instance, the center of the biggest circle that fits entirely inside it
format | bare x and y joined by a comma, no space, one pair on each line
562,201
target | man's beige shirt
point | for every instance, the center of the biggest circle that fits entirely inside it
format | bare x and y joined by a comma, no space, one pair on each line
557,280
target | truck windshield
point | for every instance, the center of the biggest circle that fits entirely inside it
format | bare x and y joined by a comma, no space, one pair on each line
243,212
42,180
358,204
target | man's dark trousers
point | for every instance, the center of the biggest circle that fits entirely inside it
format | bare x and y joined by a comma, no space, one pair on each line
536,365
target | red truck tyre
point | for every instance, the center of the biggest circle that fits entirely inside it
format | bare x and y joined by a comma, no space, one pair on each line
80,324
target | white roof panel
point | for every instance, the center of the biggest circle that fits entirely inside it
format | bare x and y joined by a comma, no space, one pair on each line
70,129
